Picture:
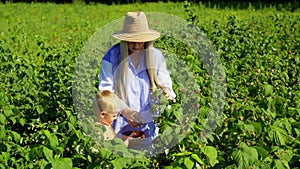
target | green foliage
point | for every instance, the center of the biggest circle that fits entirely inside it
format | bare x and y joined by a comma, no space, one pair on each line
259,127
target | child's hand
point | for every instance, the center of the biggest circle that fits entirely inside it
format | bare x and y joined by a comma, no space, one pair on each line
137,135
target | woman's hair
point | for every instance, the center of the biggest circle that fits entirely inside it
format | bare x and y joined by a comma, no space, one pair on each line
151,70
120,83
105,100
122,70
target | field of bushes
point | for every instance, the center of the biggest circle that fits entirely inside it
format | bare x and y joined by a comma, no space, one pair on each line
258,45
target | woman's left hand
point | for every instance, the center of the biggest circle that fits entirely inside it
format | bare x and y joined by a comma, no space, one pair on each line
168,94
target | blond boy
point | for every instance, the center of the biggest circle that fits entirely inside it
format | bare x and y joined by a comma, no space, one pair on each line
107,106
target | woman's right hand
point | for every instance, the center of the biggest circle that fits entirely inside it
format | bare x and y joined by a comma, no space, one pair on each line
133,117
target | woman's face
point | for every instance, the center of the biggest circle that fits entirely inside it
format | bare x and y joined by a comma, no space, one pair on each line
134,47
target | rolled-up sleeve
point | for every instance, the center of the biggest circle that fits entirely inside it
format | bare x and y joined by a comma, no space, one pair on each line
163,75
106,76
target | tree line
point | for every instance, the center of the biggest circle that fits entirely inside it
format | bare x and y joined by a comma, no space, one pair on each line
109,2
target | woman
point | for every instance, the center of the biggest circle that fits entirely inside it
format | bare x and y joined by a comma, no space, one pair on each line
132,69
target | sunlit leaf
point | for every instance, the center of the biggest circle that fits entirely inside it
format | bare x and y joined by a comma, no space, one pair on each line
268,89
7,111
120,163
285,155
105,153
262,152
2,118
16,136
196,157
62,163
257,127
245,156
188,163
48,153
52,139
278,135
281,164
284,124
211,153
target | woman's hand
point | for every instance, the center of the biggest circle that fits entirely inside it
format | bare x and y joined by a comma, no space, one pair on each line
168,94
133,117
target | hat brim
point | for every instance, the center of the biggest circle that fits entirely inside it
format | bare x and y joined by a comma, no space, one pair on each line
137,37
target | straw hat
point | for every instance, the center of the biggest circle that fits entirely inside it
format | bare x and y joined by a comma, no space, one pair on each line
135,29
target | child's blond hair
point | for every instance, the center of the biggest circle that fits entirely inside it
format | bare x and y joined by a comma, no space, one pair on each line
107,101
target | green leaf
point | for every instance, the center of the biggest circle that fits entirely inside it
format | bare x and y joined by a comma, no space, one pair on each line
278,135
196,157
47,133
2,118
13,119
120,163
269,112
22,121
178,114
169,167
268,89
211,154
188,163
48,153
52,139
36,152
257,127
61,163
2,166
185,153
2,133
40,109
53,142
285,155
16,136
297,131
281,164
249,127
44,164
105,153
73,120
5,156
245,156
7,111
284,124
78,133
165,137
262,152
89,158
